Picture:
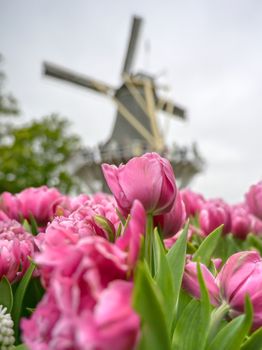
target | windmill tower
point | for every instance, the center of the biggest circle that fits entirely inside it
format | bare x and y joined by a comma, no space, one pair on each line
136,129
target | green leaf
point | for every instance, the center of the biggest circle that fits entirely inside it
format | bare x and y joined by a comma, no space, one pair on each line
106,225
254,342
148,303
232,335
194,321
21,347
27,226
208,246
6,294
176,258
19,297
163,276
34,226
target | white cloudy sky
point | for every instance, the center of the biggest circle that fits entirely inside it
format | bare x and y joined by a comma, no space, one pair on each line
210,53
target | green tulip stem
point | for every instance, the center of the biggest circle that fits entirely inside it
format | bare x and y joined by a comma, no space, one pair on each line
216,317
149,242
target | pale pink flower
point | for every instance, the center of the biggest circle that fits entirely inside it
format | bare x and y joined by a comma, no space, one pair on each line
149,179
65,205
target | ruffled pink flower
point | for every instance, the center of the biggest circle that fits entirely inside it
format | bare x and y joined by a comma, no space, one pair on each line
241,221
65,205
16,245
254,200
109,324
213,214
193,201
173,221
131,239
92,259
149,179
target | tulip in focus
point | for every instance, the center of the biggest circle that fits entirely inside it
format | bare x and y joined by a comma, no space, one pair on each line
149,179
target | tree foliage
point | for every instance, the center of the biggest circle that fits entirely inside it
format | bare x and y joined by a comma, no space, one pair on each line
36,153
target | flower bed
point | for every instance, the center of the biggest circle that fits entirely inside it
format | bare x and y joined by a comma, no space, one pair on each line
149,267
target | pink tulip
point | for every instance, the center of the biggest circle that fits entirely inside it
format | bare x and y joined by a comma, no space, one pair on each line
149,178
241,221
213,214
173,221
240,276
16,245
191,284
254,200
131,239
193,201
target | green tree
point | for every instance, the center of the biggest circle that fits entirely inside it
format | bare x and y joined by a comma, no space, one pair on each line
36,153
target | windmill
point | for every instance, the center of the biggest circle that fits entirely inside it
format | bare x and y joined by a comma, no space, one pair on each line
136,129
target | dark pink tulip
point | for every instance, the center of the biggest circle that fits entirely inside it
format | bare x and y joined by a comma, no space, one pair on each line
149,179
254,200
242,275
130,241
193,201
213,214
191,284
170,223
241,221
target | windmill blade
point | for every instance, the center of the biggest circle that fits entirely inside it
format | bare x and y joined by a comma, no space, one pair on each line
169,107
136,27
58,72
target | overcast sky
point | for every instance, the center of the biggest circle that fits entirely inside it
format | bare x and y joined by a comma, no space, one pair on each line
209,52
